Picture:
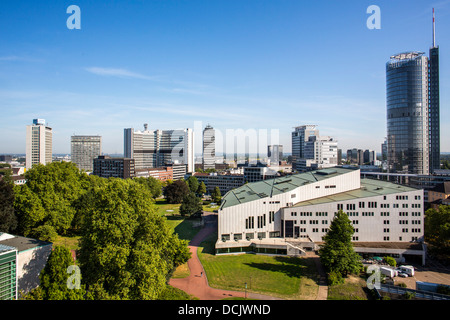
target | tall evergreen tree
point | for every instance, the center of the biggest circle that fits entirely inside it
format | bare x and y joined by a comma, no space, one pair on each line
337,254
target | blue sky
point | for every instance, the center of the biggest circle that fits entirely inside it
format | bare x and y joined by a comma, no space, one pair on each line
235,64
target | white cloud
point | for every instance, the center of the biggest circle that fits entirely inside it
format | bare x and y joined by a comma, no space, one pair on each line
113,72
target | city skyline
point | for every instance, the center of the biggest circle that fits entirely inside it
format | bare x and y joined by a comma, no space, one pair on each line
238,65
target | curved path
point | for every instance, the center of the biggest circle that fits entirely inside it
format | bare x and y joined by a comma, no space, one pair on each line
196,283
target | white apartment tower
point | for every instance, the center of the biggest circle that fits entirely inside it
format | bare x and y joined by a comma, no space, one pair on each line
38,143
158,148
209,148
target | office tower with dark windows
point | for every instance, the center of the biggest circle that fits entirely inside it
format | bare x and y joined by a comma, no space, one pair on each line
209,148
39,137
412,101
159,148
433,104
84,149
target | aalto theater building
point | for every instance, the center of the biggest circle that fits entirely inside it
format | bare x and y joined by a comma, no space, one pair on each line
289,215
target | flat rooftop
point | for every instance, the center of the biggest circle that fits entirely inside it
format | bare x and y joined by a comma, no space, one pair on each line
23,243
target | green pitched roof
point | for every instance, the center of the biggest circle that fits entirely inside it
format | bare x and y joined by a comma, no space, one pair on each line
267,188
369,188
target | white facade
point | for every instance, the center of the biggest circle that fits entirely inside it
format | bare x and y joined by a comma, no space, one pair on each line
311,151
38,143
301,208
158,148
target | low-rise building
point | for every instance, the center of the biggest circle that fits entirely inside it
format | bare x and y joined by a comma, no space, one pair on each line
107,167
21,261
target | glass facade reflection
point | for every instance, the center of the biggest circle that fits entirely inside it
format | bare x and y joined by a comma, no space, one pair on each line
407,113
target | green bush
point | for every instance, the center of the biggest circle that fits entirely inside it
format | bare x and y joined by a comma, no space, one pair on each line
335,278
390,261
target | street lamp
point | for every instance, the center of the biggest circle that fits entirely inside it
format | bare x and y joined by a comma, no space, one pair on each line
246,290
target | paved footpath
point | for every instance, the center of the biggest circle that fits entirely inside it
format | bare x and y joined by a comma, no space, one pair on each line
196,283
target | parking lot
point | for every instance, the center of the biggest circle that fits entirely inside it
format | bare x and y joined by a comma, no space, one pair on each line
433,272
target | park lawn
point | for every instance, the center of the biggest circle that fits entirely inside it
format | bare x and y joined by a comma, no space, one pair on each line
351,289
162,206
70,242
284,277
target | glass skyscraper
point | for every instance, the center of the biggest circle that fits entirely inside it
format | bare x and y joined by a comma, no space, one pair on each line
407,113
412,100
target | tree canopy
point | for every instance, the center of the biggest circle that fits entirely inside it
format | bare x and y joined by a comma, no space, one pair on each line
437,228
175,192
127,250
190,205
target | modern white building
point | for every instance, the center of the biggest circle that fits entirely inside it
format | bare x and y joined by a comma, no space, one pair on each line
84,149
290,214
38,143
311,151
158,148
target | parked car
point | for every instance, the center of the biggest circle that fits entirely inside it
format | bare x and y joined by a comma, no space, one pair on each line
403,275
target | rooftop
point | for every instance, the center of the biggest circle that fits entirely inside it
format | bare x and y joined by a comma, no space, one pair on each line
369,188
21,243
270,187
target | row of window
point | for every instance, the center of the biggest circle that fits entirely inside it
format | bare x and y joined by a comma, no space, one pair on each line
309,214
373,204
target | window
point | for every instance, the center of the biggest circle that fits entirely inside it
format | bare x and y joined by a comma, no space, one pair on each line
361,204
340,206
225,237
237,236
372,204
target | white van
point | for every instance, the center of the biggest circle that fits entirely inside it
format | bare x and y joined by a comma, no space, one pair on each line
409,270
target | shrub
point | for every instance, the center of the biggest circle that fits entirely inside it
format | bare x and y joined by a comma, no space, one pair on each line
335,278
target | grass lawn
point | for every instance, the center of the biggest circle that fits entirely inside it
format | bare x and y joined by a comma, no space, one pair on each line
285,277
71,243
351,289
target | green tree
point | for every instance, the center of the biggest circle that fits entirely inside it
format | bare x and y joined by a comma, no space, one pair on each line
154,185
127,250
201,189
175,192
337,254
390,261
191,205
437,228
193,183
8,219
54,279
48,197
216,195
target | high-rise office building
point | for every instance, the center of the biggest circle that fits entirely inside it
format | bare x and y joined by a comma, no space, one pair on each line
407,113
38,143
412,87
209,148
84,149
159,148
310,151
